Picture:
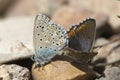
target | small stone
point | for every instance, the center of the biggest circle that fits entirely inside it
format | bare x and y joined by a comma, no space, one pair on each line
14,72
101,41
109,52
62,70
115,37
15,50
114,55
111,73
17,28
16,38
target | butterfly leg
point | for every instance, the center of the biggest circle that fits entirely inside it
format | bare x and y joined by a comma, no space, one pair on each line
33,57
39,66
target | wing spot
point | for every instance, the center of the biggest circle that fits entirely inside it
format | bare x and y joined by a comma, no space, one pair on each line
63,32
57,44
42,27
40,47
40,39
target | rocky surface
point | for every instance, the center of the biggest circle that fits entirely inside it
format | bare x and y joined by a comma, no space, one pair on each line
14,72
16,39
13,43
109,51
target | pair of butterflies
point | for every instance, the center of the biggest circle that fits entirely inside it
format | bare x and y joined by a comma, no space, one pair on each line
49,38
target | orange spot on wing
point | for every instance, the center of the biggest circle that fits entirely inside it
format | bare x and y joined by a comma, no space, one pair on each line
80,28
70,33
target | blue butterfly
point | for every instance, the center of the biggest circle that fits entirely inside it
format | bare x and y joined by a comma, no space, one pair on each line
48,39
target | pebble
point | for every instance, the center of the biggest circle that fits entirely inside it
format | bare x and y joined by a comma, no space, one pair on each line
14,72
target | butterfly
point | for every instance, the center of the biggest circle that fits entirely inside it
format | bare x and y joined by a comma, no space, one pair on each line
48,39
81,40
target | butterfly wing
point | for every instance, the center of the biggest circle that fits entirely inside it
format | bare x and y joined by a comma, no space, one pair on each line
82,36
48,38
